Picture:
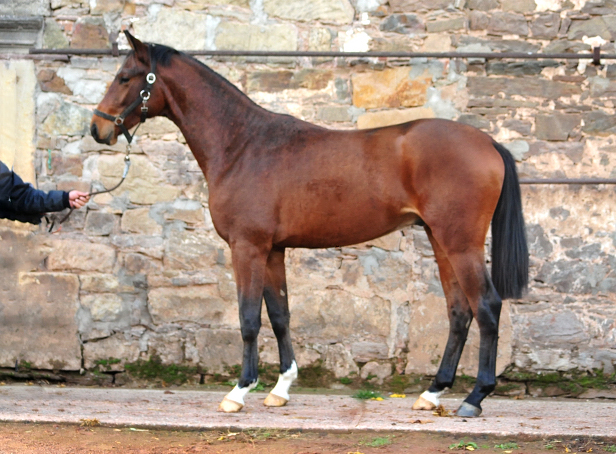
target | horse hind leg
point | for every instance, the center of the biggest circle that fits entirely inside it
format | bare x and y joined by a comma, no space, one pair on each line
276,301
486,304
460,317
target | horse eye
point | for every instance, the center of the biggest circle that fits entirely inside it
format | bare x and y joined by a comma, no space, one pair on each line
124,80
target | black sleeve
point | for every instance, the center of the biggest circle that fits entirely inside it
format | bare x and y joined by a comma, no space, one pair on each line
21,197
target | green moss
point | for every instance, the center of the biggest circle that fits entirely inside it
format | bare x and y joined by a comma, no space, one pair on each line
154,369
315,376
366,394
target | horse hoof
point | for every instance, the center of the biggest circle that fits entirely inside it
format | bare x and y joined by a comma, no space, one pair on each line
468,411
230,406
272,400
423,404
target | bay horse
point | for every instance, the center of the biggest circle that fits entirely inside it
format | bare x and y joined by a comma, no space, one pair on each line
277,182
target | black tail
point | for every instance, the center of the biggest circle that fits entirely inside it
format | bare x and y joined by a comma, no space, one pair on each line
509,248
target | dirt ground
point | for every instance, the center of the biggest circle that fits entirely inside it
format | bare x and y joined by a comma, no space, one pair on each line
53,438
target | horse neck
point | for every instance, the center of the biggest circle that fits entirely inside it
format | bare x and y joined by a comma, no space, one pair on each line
214,116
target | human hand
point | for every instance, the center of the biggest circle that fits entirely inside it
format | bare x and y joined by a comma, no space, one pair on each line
78,199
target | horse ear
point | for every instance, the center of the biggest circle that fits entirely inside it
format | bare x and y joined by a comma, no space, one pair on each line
141,50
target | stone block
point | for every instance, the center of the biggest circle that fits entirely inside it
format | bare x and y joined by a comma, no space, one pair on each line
319,39
502,23
446,25
53,35
81,255
144,184
380,371
99,283
139,221
482,5
104,307
545,26
102,354
90,33
340,361
197,304
520,6
332,114
393,87
403,23
566,328
219,349
188,211
107,6
599,123
524,86
234,36
189,251
401,6
183,30
328,11
336,315
595,26
67,119
556,126
49,81
369,351
38,323
99,223
392,117
274,81
478,20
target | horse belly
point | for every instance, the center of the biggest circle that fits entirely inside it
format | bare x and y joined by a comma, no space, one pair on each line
333,223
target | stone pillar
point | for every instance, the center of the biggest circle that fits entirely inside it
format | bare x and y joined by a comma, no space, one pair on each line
17,84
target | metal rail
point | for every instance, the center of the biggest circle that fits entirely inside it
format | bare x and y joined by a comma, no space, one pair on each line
596,56
567,181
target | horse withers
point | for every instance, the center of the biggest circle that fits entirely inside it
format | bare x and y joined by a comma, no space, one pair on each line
277,182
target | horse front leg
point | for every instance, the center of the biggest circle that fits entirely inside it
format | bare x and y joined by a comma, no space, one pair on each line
276,301
249,263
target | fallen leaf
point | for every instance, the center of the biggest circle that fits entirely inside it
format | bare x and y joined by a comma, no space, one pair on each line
93,422
441,411
470,448
377,398
138,430
398,396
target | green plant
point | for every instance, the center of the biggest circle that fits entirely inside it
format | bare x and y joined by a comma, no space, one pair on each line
346,380
154,369
510,445
611,448
378,442
260,387
366,394
468,445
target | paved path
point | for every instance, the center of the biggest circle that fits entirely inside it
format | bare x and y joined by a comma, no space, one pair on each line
197,410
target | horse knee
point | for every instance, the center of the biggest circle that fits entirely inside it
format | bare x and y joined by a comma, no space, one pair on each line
250,330
488,313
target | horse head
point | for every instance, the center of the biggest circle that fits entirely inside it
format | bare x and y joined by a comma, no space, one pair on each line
132,97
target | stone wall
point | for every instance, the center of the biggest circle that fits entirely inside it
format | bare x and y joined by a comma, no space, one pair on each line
142,272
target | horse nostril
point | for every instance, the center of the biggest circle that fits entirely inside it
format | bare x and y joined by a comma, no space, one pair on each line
94,131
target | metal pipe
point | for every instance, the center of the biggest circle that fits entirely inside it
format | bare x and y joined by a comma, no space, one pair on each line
284,53
567,181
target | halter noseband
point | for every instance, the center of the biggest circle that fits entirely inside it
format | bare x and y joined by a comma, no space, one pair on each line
144,96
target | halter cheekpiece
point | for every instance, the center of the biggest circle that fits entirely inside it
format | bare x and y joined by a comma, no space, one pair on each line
144,96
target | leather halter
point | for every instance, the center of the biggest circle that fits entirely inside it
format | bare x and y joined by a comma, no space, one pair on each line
144,96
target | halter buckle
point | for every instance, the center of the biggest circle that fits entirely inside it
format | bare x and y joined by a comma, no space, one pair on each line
150,78
145,95
118,121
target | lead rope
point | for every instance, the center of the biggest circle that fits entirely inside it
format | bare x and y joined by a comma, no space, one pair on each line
144,96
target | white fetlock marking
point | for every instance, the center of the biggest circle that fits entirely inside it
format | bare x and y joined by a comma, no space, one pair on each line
432,397
237,394
284,382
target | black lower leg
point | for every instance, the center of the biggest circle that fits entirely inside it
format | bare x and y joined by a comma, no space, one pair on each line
460,317
278,312
488,316
250,320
